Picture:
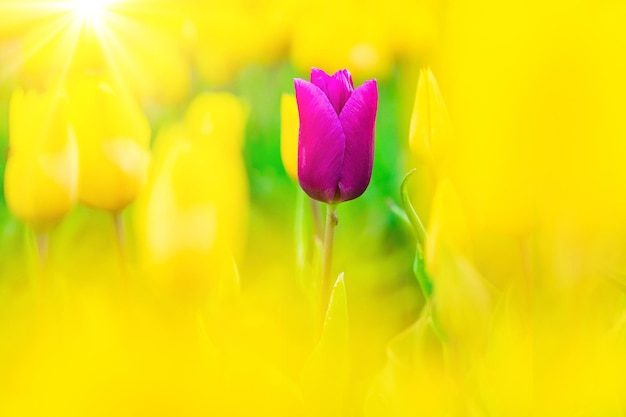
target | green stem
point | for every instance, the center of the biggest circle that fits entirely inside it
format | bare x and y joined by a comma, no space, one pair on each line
327,257
299,232
317,220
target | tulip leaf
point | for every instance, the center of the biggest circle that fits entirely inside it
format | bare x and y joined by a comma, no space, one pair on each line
413,380
325,374
463,301
508,359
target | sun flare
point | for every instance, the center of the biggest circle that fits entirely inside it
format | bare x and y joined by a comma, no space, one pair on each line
90,11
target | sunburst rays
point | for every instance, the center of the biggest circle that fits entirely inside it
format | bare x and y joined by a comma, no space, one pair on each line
133,40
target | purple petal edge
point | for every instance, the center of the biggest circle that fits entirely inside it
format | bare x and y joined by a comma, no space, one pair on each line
338,87
358,121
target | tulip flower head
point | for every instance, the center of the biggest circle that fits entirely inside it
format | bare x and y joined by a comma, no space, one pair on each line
336,137
113,140
42,168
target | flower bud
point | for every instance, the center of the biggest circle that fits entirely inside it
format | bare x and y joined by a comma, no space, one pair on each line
430,131
113,137
336,139
42,168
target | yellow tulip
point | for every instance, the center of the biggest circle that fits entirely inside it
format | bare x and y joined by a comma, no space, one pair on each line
113,137
430,132
192,216
42,168
448,225
219,119
289,129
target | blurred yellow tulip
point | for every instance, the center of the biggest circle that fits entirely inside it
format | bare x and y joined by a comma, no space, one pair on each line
42,168
113,136
215,124
289,130
219,119
448,225
431,131
192,216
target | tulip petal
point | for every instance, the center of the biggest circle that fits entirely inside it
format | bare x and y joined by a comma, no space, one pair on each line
321,143
320,79
358,120
338,87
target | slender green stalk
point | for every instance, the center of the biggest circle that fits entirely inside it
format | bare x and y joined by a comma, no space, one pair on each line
327,258
300,232
317,220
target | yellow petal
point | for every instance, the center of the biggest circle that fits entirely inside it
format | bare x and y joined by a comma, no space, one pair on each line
448,226
42,168
430,131
113,136
217,118
289,129
41,188
192,215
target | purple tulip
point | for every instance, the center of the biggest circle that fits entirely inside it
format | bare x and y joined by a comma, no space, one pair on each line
336,139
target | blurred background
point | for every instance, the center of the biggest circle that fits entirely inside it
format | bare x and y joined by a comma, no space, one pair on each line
157,258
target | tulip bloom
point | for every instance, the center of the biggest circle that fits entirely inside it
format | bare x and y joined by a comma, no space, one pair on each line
336,138
42,169
430,134
189,226
113,142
